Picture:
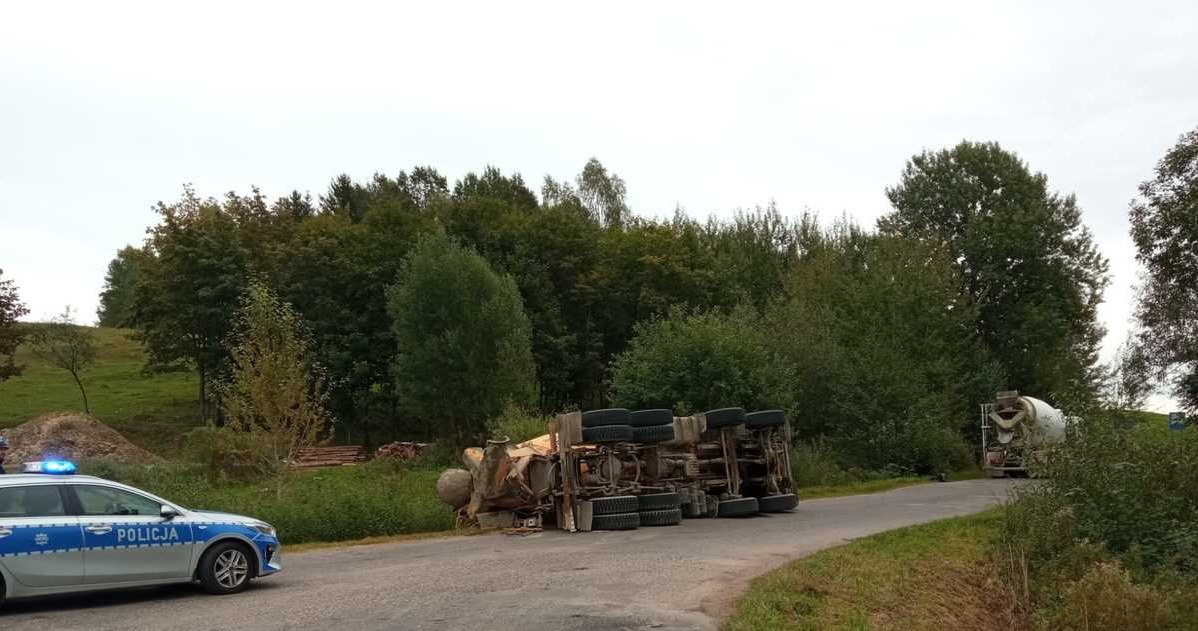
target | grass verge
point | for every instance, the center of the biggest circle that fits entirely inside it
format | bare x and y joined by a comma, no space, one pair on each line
381,498
153,411
933,576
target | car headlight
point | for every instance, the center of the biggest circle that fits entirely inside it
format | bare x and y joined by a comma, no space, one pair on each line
264,528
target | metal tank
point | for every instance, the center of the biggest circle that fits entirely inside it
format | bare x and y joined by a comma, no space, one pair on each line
1016,430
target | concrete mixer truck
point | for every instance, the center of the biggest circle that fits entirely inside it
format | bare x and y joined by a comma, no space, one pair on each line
1017,431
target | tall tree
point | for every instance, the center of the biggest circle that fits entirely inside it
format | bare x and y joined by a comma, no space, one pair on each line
1130,375
274,388
189,287
602,194
462,338
116,299
66,345
11,334
1164,226
883,348
1024,258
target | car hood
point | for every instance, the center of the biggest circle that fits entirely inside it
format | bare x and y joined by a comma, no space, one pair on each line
224,517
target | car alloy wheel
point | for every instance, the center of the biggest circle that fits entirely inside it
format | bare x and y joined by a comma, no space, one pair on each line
232,569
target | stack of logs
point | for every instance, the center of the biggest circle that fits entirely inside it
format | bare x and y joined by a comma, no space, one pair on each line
333,456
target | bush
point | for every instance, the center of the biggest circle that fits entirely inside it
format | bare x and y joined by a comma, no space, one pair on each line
691,362
381,497
230,455
1109,540
517,424
817,463
1106,599
462,337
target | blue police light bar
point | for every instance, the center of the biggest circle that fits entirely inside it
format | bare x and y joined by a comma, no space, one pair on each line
50,467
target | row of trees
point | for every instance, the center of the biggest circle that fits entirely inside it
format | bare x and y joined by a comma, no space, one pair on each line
429,305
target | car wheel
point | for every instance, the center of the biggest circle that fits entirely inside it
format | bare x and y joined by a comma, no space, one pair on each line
609,416
668,517
226,568
618,521
607,434
778,503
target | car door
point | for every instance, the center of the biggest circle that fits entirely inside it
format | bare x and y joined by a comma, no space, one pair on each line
127,539
40,544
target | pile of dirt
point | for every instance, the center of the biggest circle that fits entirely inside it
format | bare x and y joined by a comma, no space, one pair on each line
72,436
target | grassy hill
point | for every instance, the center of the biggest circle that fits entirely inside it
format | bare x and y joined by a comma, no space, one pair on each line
153,411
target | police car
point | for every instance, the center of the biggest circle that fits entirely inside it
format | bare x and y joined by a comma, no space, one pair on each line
61,533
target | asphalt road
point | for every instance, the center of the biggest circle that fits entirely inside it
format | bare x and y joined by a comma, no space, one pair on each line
682,577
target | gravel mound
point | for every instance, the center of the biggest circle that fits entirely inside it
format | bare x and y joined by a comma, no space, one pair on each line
72,436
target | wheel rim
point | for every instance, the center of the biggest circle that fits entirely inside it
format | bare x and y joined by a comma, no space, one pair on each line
231,569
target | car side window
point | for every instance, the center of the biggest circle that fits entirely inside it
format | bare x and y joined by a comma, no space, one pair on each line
31,501
101,500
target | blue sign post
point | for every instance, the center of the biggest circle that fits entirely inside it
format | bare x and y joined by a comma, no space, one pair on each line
1177,421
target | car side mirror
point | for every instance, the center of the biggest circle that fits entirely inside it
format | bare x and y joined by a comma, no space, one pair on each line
168,513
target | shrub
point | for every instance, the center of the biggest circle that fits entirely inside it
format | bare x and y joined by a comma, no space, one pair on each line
517,424
230,455
691,362
381,497
462,336
1106,599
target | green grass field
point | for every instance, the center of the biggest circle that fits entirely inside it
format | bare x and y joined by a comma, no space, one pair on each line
153,411
933,576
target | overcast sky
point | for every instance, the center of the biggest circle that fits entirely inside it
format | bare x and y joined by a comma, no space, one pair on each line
106,108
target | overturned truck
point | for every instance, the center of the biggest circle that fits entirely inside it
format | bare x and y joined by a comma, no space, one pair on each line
616,469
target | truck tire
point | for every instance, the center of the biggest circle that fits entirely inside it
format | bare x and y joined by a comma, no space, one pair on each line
617,521
647,418
738,507
666,517
778,503
609,416
607,434
658,501
724,417
614,504
653,434
765,418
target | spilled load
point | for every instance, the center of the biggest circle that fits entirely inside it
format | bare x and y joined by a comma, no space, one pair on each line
1016,432
616,469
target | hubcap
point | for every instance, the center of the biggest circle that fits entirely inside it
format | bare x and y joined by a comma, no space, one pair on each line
231,569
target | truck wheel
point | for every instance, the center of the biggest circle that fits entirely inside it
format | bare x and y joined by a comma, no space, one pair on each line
667,517
607,434
658,501
765,418
738,507
226,568
618,521
652,434
609,416
614,504
724,417
648,418
778,503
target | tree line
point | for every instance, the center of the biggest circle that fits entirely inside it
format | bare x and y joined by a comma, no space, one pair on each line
980,277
